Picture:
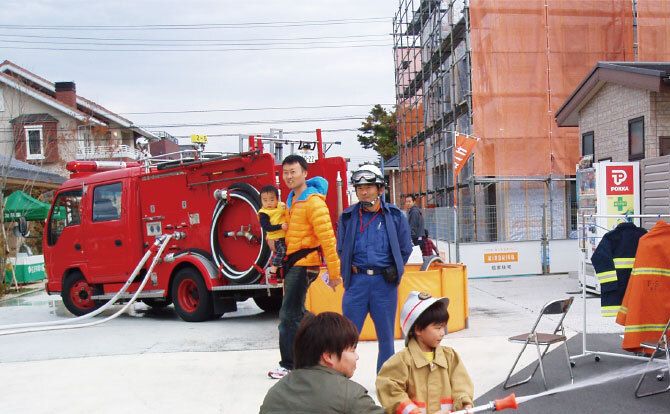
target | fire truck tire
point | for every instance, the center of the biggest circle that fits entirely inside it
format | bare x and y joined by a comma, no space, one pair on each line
157,303
192,300
77,293
270,304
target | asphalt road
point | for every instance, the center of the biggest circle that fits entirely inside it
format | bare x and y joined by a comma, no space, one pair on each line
137,331
152,362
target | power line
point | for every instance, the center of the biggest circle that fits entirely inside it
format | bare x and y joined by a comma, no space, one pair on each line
240,123
341,42
202,26
192,50
192,40
309,131
220,135
197,111
271,121
278,121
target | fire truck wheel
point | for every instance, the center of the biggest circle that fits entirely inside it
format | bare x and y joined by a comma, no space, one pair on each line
157,303
192,300
77,294
270,304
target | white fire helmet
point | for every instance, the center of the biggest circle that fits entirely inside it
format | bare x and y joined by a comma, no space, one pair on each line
367,174
415,305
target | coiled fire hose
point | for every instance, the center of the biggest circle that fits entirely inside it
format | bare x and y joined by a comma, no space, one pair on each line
160,244
244,193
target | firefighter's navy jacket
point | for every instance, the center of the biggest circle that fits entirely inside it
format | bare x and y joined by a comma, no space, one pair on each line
613,261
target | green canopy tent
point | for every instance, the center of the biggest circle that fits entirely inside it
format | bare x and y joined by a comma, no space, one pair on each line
19,204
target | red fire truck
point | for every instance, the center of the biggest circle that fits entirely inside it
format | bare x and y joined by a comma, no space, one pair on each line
106,216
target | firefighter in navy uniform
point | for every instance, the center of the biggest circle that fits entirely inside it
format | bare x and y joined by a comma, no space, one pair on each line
613,262
374,243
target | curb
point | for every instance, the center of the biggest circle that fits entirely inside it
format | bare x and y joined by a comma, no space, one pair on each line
10,296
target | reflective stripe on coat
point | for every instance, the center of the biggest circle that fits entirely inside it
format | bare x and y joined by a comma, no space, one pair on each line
646,306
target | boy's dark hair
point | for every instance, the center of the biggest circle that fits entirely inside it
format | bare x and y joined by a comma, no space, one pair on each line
295,159
436,313
325,332
425,231
270,189
410,196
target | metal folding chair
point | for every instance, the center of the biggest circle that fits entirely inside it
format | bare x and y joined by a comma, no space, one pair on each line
660,346
556,307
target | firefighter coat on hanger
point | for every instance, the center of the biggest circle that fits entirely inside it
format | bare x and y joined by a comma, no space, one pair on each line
646,307
613,262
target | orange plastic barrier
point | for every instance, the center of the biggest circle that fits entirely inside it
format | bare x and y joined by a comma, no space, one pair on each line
448,280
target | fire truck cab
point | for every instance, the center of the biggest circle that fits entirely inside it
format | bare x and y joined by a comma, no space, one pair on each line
108,214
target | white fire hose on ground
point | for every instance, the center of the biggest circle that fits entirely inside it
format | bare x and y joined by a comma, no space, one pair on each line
160,243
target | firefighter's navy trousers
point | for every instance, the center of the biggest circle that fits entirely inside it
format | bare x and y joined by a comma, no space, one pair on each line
372,294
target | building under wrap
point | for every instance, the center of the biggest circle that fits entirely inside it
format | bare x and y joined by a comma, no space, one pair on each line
498,70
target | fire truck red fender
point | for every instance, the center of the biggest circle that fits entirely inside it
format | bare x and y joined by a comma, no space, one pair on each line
190,288
55,286
204,265
237,208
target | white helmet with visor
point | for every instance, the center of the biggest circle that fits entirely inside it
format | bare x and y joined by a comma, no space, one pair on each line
367,174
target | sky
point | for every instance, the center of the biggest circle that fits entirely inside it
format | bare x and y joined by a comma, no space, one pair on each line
213,58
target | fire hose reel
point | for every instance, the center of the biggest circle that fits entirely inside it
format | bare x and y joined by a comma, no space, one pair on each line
241,258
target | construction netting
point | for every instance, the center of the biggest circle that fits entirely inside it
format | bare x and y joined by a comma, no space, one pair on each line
653,33
527,58
499,70
411,156
410,115
530,210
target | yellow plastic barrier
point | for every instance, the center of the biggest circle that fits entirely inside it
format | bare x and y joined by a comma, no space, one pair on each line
448,280
455,287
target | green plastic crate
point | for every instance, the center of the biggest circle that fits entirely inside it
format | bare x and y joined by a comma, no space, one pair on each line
28,269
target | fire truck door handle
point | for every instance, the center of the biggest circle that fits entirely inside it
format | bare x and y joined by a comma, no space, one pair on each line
77,246
117,243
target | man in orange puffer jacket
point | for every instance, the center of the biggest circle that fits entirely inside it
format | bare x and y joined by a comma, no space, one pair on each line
309,227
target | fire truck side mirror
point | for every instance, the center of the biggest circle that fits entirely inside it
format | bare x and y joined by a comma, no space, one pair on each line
23,226
142,143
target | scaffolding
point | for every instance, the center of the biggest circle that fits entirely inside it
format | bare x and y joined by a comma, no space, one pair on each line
432,95
499,71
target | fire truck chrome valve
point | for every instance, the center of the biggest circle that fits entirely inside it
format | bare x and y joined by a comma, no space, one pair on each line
178,235
221,195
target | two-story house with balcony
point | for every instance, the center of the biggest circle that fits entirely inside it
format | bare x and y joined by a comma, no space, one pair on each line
47,124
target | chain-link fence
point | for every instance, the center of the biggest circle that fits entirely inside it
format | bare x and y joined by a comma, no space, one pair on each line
493,223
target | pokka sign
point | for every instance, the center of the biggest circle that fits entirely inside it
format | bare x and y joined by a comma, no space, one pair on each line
619,180
621,190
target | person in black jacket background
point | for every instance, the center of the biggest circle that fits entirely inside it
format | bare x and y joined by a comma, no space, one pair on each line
415,218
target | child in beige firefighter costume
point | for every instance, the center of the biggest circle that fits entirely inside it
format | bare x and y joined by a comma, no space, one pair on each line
425,377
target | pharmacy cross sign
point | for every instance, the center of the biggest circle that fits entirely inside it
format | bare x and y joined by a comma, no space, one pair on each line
620,204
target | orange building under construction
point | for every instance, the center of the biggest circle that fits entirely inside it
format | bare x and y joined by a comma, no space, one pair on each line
498,70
